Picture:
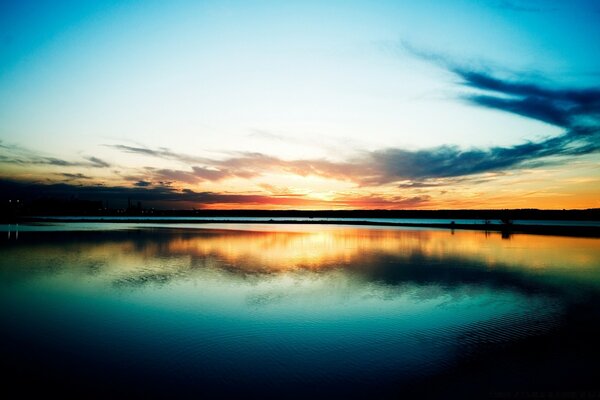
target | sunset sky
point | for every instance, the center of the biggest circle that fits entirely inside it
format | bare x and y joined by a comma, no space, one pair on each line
304,105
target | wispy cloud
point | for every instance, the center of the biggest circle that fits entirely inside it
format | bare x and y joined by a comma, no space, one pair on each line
14,154
564,107
78,176
97,162
162,152
382,202
534,98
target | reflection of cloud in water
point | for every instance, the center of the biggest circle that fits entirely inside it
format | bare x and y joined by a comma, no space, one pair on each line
390,260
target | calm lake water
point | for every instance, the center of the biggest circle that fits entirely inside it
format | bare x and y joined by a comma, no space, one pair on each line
297,311
428,221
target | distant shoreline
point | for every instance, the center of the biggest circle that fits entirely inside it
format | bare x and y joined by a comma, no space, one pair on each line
504,229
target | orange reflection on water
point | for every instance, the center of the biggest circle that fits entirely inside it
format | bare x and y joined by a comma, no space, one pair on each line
281,250
178,252
314,248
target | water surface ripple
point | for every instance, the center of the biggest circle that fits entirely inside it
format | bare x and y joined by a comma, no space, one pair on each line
297,311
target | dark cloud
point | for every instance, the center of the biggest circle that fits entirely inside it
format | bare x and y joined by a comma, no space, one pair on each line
70,176
420,185
96,162
570,108
142,184
157,195
169,197
138,150
567,108
530,107
36,160
50,161
452,161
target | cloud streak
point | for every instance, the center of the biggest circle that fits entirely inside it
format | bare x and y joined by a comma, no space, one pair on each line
162,152
12,154
69,177
97,162
567,108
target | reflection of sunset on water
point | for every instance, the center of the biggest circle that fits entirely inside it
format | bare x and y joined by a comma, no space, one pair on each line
316,248
165,254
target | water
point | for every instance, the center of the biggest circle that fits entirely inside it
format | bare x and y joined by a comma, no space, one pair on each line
292,310
420,221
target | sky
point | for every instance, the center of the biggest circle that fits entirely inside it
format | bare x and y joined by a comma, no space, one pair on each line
304,105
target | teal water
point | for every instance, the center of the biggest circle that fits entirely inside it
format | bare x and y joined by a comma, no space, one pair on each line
292,310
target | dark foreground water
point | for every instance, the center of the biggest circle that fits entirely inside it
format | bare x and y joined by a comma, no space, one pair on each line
297,311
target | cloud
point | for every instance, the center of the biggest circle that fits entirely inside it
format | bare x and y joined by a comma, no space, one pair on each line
392,165
570,108
210,174
70,176
195,175
567,108
452,161
159,153
49,161
169,197
381,202
37,160
173,175
96,162
156,195
14,154
422,185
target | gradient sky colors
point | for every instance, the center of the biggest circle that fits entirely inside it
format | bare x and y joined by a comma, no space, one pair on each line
374,104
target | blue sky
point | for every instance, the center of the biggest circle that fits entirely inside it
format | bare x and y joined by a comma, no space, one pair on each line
312,87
